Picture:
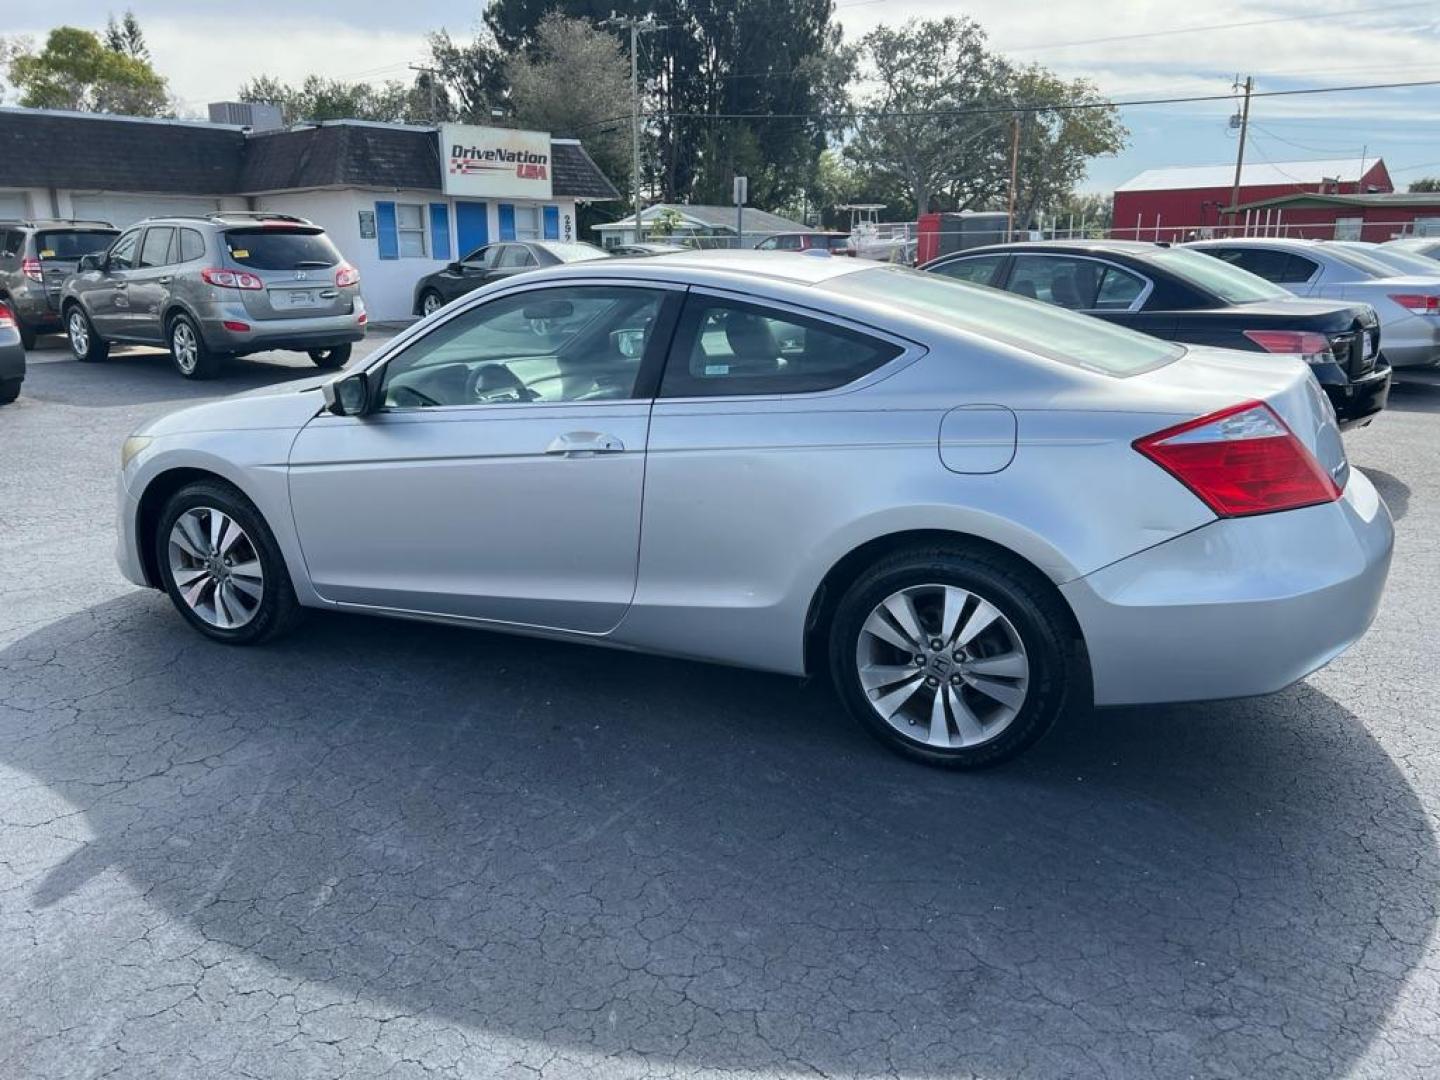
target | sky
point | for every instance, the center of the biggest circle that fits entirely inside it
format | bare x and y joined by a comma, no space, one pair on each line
1129,49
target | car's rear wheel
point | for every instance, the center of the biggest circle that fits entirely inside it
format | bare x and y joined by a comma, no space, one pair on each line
188,350
329,359
28,335
9,390
85,344
221,566
953,658
431,302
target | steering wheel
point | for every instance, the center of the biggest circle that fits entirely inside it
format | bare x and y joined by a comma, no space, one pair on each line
494,384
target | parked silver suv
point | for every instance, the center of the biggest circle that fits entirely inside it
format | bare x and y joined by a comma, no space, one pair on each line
227,284
35,259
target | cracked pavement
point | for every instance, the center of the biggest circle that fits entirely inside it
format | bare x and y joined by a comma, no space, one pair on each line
380,849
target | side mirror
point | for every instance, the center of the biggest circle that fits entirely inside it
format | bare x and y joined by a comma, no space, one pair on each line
456,268
349,396
88,262
628,343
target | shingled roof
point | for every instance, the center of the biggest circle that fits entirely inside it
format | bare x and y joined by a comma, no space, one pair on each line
39,148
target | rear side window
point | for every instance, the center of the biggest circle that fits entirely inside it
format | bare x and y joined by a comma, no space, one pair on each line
70,244
979,270
11,242
192,245
281,249
725,348
1075,283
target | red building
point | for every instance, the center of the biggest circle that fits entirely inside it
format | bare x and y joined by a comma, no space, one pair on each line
1173,204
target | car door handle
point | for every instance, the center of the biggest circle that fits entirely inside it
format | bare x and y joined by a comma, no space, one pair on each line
584,444
122,284
165,280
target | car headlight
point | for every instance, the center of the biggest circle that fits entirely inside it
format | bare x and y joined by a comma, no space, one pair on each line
132,446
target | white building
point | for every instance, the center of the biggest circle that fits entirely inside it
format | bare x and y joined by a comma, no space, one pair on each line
399,201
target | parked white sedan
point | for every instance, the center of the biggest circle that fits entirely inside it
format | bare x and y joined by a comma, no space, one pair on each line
975,510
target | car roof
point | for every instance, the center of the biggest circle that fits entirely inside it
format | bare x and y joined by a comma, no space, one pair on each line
1094,247
1262,241
77,224
728,263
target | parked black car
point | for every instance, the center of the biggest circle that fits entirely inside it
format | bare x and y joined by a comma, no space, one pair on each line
493,262
1180,295
35,259
12,356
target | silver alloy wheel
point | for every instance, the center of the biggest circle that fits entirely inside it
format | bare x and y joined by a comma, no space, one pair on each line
79,333
216,568
183,346
430,304
942,666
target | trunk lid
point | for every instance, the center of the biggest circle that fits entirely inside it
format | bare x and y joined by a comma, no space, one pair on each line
296,265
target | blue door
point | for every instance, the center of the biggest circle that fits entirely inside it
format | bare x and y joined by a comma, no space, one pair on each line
552,222
472,226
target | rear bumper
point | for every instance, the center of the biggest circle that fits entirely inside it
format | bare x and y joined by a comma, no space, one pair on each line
1357,402
300,334
1239,607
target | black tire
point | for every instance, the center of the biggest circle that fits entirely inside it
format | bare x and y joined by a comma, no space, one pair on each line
189,353
429,295
95,349
329,359
9,390
278,611
1034,611
28,335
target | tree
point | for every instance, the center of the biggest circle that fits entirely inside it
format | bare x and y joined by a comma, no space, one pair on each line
1425,185
331,99
937,83
76,71
1083,216
576,82
472,78
126,38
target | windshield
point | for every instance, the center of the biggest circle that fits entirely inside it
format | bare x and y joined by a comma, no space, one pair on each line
281,249
1223,279
1360,260
575,252
69,244
1403,262
1036,327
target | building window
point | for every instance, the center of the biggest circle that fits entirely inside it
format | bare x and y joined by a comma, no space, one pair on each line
410,228
527,223
1348,228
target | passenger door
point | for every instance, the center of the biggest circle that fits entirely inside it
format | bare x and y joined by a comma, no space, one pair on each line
149,288
500,477
107,290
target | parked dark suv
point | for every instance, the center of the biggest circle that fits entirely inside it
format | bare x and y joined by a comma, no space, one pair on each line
227,284
35,259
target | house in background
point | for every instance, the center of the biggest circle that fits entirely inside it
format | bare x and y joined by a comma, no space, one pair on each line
398,200
700,226
1172,204
1372,217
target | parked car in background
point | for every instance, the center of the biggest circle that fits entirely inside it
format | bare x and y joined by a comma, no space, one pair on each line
12,356
495,262
973,510
228,284
646,248
1400,261
1428,246
35,259
837,243
1408,305
1183,296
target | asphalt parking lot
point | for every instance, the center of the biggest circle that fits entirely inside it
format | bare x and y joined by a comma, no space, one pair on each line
381,849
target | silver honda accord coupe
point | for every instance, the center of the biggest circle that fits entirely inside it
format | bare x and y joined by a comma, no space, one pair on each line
973,510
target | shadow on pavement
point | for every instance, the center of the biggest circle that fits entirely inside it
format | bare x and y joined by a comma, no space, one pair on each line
1393,490
628,855
1415,390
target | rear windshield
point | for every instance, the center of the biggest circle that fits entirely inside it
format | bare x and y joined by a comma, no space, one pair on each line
1360,261
1036,327
1404,262
837,243
1215,276
281,249
71,244
575,252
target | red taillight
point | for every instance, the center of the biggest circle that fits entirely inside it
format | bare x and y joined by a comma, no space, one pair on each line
346,275
32,269
231,279
7,317
238,327
363,319
1417,303
1313,347
1242,460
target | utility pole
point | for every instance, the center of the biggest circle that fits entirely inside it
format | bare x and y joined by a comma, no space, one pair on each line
1240,152
1014,174
434,103
636,28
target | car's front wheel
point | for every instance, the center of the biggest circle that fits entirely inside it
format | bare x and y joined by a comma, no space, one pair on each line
85,344
191,356
9,390
330,359
955,658
431,302
221,566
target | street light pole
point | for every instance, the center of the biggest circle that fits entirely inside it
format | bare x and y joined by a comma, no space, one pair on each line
1240,152
636,28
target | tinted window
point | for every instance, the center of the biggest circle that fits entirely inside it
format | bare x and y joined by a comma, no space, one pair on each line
574,252
838,243
122,255
723,347
789,243
1362,262
67,244
155,249
192,245
978,269
514,256
1073,282
281,249
1046,331
11,242
580,343
1207,269
1268,263
482,257
770,243
1119,289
